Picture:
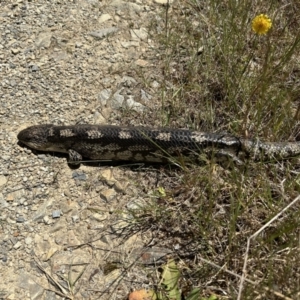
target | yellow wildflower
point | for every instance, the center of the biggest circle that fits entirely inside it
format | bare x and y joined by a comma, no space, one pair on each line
261,24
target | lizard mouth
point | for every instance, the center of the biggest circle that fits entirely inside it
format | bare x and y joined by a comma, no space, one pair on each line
34,136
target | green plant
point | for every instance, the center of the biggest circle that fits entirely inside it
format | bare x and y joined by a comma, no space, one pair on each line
217,74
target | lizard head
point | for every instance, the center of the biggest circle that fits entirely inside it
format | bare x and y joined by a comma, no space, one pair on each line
36,137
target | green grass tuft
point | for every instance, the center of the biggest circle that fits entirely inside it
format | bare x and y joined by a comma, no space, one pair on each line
217,74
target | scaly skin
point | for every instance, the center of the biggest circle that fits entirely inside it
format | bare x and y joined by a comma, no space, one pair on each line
144,144
258,150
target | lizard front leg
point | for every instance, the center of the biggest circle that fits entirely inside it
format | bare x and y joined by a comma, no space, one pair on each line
74,157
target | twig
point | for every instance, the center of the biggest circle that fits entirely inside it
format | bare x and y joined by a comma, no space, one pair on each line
226,270
243,277
53,281
247,280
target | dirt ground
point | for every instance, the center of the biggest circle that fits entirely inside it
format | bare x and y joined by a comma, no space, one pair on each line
64,233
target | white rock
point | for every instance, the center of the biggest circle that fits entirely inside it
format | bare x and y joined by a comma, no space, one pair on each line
104,17
3,180
163,2
139,34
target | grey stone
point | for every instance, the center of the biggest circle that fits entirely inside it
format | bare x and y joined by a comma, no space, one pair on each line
128,81
145,96
56,214
79,175
115,101
104,95
20,220
41,211
103,32
131,104
34,68
44,39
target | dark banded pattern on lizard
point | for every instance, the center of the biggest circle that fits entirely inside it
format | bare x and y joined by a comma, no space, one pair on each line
144,144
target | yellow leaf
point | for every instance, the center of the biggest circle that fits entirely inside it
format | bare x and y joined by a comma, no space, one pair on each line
161,191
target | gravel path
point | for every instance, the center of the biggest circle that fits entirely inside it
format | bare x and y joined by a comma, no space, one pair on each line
68,62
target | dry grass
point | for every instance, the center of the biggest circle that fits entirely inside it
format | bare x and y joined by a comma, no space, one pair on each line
218,75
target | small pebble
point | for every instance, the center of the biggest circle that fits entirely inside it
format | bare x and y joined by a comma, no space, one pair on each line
17,245
56,214
20,220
